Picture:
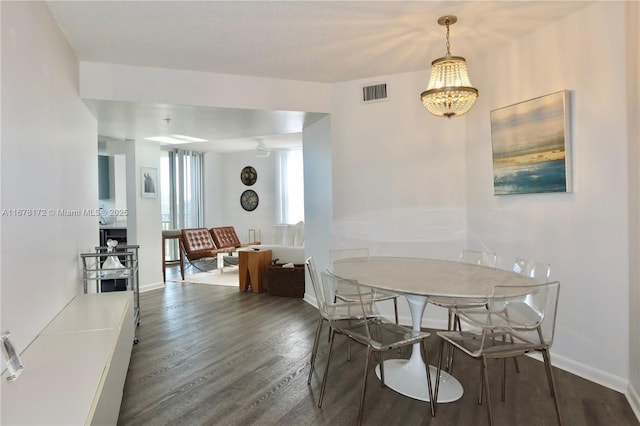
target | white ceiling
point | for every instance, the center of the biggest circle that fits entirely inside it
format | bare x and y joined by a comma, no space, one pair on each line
322,41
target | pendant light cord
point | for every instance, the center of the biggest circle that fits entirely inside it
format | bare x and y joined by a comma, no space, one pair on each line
448,45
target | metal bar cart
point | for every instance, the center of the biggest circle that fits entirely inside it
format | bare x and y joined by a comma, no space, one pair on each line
103,274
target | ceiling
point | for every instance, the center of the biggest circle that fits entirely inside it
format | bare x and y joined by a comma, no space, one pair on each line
320,41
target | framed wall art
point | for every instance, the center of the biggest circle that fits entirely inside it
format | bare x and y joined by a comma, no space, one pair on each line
249,200
531,144
149,182
248,176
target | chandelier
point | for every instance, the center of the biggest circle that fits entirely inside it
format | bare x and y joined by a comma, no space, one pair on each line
449,92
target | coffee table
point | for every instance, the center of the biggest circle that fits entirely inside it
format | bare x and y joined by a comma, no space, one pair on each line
221,259
252,266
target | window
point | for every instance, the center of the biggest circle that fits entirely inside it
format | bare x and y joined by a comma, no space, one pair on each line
291,189
181,192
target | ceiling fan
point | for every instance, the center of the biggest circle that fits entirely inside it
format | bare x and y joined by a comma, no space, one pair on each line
261,149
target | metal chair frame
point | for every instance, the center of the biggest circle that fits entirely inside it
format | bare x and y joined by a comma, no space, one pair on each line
374,332
518,320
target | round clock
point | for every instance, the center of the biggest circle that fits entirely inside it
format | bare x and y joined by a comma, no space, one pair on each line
249,200
248,176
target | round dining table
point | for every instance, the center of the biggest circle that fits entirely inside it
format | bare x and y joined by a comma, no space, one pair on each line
418,279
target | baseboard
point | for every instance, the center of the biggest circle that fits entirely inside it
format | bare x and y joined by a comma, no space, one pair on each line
634,400
310,299
149,287
586,372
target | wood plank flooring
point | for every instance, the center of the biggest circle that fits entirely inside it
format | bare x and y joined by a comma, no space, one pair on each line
210,355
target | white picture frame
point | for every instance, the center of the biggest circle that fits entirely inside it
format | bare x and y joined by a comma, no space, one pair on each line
149,182
531,144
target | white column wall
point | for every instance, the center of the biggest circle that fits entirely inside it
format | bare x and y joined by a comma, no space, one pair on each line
48,165
144,222
632,25
214,181
318,200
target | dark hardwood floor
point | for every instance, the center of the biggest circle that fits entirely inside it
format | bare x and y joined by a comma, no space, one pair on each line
210,355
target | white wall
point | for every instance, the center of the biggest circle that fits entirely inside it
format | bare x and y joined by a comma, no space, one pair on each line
398,176
583,235
179,87
398,187
213,188
633,137
318,189
222,195
49,162
144,223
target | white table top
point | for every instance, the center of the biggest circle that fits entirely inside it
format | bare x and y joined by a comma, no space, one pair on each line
428,277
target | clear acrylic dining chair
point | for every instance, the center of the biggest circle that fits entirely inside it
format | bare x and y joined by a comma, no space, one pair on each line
371,330
539,271
335,309
474,257
518,320
347,293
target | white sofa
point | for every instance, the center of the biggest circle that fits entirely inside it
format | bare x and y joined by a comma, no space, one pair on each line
290,246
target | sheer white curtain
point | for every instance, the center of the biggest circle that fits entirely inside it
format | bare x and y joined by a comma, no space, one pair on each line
291,187
187,194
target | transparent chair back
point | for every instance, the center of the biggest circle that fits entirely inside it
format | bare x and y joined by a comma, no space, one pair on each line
317,287
350,253
348,292
475,257
529,310
540,272
330,307
527,313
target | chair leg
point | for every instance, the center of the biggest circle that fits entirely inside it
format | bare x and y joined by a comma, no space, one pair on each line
552,383
326,371
194,264
364,385
485,372
515,362
429,385
395,308
450,326
381,364
438,371
314,351
504,379
481,386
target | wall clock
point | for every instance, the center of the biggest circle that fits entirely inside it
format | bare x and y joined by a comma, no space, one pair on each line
248,176
249,200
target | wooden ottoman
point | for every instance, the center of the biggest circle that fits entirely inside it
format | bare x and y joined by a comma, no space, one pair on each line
251,268
288,282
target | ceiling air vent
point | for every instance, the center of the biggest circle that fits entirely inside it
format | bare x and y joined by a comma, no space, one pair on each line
375,93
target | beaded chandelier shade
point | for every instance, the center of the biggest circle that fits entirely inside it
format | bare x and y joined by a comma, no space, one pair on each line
449,92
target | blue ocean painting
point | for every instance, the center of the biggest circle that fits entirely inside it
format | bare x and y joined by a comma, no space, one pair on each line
530,142
548,176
